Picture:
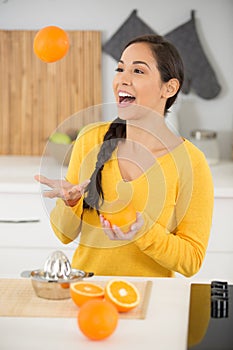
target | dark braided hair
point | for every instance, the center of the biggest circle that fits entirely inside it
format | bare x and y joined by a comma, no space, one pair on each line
115,133
170,65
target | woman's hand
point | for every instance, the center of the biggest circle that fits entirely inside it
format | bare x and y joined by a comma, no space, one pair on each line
114,232
63,189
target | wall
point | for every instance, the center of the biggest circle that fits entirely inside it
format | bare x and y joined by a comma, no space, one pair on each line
214,26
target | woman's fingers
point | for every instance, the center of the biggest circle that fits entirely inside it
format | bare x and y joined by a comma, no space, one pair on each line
79,188
44,180
115,233
54,193
119,234
137,225
62,189
50,182
84,185
107,228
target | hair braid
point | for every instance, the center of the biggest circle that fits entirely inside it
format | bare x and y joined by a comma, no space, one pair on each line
95,195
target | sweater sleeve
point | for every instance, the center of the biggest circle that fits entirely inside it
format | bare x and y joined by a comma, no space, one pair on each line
183,249
66,221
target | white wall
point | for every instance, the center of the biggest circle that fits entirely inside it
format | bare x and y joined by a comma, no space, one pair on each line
214,25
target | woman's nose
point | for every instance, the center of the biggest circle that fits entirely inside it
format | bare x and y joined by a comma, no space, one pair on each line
126,78
127,83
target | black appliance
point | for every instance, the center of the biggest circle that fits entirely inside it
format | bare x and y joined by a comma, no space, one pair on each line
211,316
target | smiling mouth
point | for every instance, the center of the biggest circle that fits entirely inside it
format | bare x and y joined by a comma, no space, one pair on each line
125,99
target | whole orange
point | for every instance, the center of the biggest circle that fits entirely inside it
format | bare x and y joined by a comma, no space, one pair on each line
97,319
120,213
51,44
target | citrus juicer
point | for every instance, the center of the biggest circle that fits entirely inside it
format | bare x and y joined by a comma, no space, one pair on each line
52,282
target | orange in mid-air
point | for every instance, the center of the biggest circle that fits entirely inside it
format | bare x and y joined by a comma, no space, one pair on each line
51,44
97,319
120,213
82,292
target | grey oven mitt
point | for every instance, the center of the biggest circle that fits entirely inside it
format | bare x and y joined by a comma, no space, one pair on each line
132,27
199,74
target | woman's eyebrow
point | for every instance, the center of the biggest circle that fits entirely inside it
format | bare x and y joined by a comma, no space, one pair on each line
141,62
137,62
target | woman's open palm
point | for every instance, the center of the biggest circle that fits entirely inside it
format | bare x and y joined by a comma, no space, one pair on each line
63,189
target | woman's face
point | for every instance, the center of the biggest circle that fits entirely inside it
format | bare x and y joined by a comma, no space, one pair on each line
137,81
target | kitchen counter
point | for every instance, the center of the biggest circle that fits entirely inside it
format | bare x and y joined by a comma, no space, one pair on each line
164,328
17,174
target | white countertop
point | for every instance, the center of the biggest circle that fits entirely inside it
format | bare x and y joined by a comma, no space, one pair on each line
164,328
17,174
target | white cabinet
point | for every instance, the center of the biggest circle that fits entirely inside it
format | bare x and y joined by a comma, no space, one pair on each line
26,237
221,238
218,263
27,222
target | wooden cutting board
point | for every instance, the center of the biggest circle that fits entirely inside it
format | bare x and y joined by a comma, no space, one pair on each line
18,299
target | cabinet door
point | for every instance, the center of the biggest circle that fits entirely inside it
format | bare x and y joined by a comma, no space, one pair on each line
221,237
25,234
33,231
26,245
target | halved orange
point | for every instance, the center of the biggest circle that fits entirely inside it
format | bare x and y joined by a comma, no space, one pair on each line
123,294
81,292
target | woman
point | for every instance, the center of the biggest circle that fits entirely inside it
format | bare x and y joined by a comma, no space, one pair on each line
138,159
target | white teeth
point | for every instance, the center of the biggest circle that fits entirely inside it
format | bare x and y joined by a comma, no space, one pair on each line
124,94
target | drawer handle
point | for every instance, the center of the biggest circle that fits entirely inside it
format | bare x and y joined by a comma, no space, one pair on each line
19,221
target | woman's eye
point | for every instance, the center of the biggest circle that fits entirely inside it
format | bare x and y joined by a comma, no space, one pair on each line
119,69
138,71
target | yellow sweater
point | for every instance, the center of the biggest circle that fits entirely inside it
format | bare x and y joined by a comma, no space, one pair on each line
175,197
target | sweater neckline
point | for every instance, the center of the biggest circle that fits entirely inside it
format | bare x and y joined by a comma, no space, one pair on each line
158,162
